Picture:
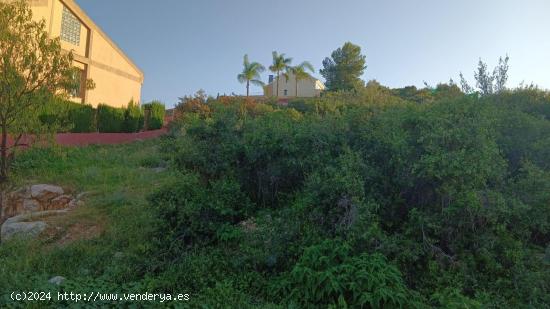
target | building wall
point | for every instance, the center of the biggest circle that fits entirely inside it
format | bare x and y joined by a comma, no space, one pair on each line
309,87
117,79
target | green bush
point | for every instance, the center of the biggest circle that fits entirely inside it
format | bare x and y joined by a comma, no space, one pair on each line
82,118
53,116
110,119
154,115
330,275
64,116
133,118
195,214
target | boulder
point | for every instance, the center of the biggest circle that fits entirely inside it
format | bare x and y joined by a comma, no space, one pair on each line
25,225
45,193
30,205
21,230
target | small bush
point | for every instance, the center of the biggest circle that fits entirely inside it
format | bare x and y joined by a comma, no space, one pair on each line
154,115
110,119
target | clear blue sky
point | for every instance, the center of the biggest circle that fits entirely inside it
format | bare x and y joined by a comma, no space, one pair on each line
186,45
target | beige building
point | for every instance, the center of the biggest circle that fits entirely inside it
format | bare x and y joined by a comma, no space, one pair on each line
308,87
117,79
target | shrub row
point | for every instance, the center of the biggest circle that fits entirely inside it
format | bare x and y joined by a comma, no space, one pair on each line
82,118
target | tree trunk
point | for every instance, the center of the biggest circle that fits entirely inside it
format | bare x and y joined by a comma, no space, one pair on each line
247,87
277,95
4,154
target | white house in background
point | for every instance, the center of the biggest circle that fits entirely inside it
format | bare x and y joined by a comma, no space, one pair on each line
307,88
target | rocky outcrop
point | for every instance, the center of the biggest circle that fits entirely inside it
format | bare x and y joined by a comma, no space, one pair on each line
45,193
27,225
12,230
21,208
35,198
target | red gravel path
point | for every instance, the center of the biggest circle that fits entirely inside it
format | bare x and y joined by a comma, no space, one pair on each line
83,139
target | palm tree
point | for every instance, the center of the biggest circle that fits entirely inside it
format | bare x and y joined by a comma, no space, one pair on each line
280,64
300,72
250,74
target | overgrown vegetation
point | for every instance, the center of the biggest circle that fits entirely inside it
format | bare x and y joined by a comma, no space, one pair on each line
363,198
440,201
367,197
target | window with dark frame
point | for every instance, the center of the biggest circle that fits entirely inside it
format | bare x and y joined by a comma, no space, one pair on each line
70,27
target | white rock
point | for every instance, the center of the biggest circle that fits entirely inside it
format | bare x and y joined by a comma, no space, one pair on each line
26,226
11,230
46,192
57,280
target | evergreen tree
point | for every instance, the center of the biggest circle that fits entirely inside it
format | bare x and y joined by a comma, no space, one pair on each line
344,69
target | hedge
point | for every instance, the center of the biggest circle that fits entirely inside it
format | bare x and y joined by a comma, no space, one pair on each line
133,118
109,119
83,118
66,116
154,115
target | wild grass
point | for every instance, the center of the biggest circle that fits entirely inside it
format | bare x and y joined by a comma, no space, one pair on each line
107,237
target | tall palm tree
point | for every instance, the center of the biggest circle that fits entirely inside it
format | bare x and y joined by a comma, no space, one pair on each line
280,64
300,72
250,74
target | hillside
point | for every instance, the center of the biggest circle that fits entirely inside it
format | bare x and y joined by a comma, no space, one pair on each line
370,198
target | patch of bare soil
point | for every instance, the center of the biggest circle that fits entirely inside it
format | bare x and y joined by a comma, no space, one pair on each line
66,229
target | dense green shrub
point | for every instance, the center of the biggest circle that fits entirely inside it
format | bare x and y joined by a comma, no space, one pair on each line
441,195
330,275
53,116
154,115
196,214
110,119
83,118
65,116
133,118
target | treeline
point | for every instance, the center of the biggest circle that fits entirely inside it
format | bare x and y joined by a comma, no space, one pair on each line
83,118
375,198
